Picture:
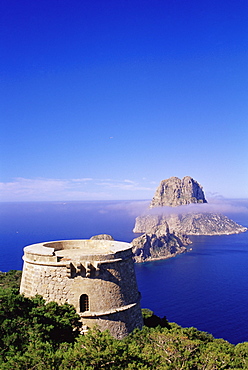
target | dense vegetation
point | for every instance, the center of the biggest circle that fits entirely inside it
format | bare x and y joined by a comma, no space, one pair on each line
37,336
10,279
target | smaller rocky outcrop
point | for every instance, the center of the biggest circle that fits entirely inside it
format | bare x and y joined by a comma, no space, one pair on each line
156,245
102,237
159,243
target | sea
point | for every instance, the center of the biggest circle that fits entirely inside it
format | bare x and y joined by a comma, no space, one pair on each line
206,287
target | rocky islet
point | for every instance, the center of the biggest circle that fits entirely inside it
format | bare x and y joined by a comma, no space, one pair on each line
165,234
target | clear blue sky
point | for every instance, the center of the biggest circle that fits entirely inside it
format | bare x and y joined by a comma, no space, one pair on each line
104,99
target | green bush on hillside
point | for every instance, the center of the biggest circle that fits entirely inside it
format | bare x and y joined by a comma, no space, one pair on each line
38,336
24,320
10,279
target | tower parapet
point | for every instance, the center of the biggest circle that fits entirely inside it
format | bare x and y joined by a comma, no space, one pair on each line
96,276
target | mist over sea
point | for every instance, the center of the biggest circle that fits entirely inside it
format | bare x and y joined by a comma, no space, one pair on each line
206,287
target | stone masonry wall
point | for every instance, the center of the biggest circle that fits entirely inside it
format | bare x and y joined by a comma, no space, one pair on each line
110,285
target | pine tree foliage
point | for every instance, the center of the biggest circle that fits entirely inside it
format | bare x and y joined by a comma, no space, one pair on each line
37,336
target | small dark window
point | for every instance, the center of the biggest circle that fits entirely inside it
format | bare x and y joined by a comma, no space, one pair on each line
84,303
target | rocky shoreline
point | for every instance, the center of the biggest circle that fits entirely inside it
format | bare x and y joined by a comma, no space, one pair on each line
150,259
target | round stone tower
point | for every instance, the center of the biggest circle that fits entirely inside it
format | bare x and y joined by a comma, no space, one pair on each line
96,276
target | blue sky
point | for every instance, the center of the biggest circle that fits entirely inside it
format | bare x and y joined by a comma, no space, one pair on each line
104,99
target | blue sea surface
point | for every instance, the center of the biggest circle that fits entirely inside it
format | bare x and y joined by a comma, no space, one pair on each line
206,287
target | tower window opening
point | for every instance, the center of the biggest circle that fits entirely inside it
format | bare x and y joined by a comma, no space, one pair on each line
84,303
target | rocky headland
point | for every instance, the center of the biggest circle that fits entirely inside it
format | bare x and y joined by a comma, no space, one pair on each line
166,232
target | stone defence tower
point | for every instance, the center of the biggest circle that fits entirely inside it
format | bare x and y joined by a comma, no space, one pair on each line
96,276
